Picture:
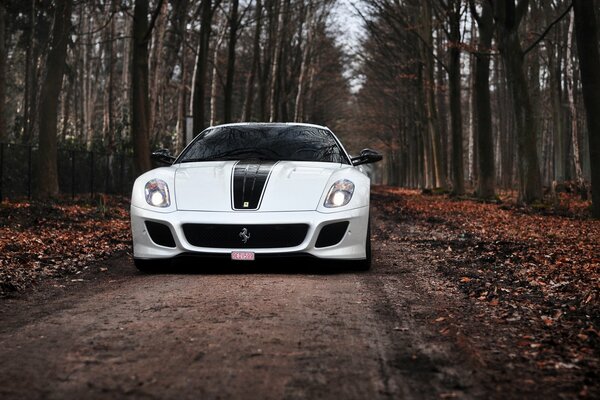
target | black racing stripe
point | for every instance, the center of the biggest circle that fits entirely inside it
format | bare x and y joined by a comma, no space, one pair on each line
249,181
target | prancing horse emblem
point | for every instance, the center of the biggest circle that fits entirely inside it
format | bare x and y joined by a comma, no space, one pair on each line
245,235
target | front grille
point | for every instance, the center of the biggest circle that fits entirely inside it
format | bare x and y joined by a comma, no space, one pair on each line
232,236
332,234
160,234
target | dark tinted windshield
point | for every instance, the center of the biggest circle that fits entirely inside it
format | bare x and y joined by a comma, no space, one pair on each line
265,142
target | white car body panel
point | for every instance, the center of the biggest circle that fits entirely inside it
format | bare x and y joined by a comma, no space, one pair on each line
352,246
201,193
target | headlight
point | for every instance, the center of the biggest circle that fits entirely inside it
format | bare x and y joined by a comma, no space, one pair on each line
339,194
157,193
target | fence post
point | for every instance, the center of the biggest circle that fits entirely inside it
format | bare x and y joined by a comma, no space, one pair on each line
107,173
121,178
72,174
30,151
92,174
1,167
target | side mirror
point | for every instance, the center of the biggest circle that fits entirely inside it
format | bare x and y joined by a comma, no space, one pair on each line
367,156
163,156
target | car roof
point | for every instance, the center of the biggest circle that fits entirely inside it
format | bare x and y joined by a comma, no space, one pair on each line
273,124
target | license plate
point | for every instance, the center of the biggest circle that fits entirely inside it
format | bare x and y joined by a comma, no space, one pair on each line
242,255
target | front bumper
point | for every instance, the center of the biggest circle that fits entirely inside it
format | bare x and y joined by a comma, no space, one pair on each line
351,247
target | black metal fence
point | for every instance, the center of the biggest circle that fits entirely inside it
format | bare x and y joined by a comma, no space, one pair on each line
79,172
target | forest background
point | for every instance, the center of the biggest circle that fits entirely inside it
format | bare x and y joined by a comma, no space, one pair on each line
461,96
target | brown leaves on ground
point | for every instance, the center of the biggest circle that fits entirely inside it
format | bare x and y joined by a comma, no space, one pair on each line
538,273
40,240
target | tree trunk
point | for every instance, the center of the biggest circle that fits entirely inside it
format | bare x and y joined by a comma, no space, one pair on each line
247,109
182,98
47,168
572,106
233,28
157,72
29,110
67,98
425,174
215,78
483,108
182,102
3,132
198,97
126,73
586,28
437,171
140,104
554,70
509,17
298,109
275,69
109,93
458,179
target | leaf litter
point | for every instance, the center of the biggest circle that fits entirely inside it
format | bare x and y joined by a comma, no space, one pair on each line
536,273
49,239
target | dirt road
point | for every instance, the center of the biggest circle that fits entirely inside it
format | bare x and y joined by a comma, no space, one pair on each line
255,331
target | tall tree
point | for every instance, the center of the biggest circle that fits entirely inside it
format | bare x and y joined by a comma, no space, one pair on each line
434,150
454,73
140,101
179,44
276,61
485,24
586,27
207,9
157,72
234,23
509,15
3,132
215,72
255,66
570,83
310,21
47,165
31,78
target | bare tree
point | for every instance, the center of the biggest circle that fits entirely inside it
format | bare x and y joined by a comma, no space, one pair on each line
140,100
47,168
276,60
509,16
249,98
207,10
215,72
570,78
485,23
3,132
234,23
453,9
586,27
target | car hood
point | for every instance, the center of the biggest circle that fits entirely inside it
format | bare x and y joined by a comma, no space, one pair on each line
286,185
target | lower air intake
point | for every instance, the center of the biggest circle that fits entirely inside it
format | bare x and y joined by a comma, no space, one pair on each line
160,234
245,236
332,234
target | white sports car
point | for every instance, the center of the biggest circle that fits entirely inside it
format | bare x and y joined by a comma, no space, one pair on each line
253,190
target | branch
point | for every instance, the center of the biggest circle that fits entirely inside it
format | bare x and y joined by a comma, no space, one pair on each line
543,35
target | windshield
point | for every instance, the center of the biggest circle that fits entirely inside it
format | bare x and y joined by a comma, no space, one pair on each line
265,142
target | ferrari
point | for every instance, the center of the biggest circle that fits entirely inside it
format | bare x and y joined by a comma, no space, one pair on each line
250,191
